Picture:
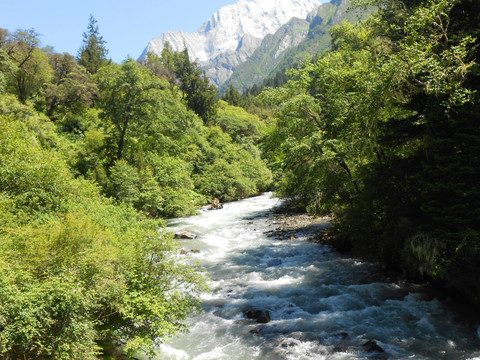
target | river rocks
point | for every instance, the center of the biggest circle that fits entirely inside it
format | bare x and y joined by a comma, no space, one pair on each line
185,251
215,205
372,346
261,317
288,344
289,224
256,331
184,234
242,322
343,341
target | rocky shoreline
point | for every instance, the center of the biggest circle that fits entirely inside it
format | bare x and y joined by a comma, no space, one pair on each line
288,223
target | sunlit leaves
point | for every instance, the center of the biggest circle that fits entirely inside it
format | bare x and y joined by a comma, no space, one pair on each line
71,88
71,262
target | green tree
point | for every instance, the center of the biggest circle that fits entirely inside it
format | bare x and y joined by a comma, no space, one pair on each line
93,53
383,131
27,71
197,92
199,95
151,135
229,171
233,97
6,64
238,123
163,66
128,98
71,89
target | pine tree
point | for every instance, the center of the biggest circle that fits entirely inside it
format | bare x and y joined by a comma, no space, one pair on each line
199,95
233,97
93,54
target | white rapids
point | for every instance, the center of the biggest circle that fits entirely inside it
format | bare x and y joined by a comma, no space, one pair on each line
322,305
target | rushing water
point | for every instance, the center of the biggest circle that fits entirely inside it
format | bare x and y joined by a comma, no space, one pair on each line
323,305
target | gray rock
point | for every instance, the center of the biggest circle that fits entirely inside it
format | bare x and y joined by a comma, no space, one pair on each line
261,317
184,234
372,346
256,331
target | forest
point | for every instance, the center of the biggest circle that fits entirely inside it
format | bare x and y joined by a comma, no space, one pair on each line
381,131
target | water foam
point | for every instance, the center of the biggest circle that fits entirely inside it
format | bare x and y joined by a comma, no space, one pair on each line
322,305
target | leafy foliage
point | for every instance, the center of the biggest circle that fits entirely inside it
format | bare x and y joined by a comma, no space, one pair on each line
71,90
383,132
88,166
75,267
128,97
238,123
24,64
198,94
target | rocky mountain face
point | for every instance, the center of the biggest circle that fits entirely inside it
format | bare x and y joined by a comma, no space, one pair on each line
268,55
233,33
291,44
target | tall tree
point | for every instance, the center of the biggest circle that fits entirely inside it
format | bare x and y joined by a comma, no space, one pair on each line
197,92
71,89
93,53
199,95
25,65
163,66
233,97
128,97
383,130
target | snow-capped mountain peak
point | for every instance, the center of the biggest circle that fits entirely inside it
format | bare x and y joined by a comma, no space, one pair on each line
233,33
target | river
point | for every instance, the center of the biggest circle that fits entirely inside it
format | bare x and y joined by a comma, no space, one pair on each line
323,305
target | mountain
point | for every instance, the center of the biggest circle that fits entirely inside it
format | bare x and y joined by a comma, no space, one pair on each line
291,44
232,34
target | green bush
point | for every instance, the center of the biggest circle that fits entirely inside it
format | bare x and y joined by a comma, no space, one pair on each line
238,123
76,269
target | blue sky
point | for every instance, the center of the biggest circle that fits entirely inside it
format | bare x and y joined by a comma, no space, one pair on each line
126,26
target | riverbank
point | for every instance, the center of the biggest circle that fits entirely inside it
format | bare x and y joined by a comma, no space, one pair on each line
290,223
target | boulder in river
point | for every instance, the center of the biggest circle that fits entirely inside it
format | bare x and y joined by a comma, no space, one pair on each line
215,205
372,346
288,344
256,331
185,234
261,317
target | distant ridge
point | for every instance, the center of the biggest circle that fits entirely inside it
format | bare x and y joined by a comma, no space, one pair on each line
291,44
